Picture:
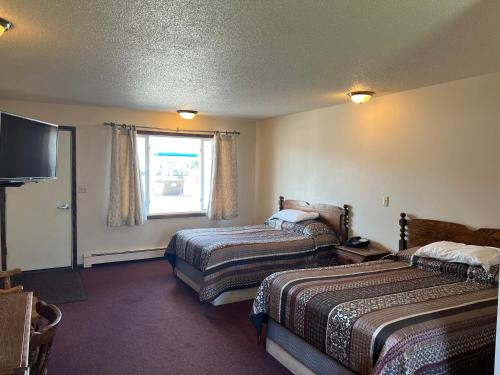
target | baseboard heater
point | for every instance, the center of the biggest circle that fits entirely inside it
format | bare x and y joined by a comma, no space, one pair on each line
90,259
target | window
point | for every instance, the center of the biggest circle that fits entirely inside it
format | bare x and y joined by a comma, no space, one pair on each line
176,172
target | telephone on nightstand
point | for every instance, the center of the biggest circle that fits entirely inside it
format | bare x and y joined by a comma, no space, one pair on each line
357,242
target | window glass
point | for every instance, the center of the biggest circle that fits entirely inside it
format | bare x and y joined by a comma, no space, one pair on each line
176,173
207,175
141,151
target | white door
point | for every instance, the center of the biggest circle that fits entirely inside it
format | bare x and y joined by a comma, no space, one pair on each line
38,218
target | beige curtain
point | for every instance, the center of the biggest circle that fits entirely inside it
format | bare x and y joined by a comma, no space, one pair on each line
223,204
126,198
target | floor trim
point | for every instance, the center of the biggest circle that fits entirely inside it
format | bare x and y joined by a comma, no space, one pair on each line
89,259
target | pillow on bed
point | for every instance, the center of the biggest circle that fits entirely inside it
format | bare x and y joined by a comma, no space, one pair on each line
473,255
315,228
274,223
294,216
307,228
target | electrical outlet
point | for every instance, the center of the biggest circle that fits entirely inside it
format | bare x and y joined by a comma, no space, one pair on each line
82,189
385,201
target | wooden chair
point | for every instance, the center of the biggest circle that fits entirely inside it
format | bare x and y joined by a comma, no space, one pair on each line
42,338
7,286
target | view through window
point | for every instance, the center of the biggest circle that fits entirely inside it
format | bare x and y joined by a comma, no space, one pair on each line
176,172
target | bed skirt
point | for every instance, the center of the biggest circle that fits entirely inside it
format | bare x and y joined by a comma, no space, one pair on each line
297,355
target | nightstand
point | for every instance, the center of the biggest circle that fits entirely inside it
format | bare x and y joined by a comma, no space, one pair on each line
349,255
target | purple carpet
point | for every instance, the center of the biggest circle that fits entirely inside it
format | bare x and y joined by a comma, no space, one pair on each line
139,319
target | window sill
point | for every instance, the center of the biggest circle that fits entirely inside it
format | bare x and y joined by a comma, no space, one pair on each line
176,215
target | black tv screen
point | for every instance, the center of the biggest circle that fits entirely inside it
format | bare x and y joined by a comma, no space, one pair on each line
28,149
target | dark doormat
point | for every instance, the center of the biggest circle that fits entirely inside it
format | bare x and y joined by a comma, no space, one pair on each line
61,286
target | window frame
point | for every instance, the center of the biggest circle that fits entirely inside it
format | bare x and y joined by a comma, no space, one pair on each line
146,188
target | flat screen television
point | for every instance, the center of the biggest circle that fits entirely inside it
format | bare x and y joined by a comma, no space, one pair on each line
28,150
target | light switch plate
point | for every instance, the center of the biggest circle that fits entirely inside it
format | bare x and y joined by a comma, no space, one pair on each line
385,201
82,189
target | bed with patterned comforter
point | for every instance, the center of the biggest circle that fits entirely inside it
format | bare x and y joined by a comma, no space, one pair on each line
402,315
241,257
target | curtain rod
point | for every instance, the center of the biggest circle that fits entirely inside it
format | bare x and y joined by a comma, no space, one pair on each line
172,130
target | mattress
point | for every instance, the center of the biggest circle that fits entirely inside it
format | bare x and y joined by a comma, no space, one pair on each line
241,257
399,315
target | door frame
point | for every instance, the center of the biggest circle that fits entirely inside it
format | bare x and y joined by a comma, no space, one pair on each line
74,242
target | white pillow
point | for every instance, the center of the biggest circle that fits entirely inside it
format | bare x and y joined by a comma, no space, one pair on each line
473,255
294,216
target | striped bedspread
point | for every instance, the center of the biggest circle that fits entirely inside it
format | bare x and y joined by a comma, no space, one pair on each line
241,257
403,315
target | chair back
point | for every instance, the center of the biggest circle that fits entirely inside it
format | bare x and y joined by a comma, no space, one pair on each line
42,338
7,285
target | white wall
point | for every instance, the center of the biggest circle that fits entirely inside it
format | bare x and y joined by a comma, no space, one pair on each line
93,150
434,151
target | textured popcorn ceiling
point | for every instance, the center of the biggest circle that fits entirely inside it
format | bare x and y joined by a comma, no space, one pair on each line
242,58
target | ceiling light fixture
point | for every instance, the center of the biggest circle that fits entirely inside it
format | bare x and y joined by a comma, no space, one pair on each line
360,97
4,26
187,114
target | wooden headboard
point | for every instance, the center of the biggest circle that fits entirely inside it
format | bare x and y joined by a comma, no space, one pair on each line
335,217
420,232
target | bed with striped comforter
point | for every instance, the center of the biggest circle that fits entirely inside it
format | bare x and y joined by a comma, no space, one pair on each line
402,315
241,257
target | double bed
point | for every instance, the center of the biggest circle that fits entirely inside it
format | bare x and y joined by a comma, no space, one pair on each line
402,314
227,264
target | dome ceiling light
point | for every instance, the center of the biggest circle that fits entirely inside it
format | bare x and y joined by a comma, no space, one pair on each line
187,114
4,26
360,97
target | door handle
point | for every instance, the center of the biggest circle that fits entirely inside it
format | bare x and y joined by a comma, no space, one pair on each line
65,206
